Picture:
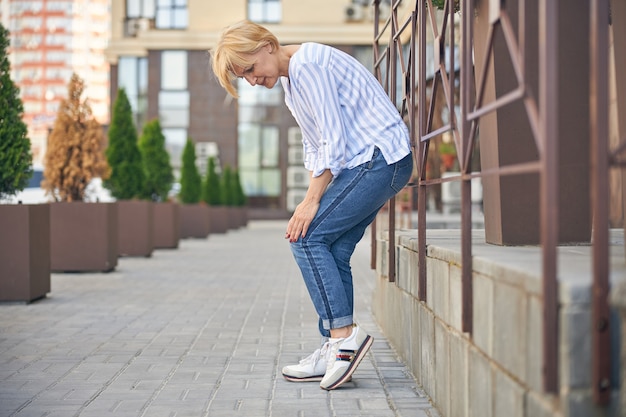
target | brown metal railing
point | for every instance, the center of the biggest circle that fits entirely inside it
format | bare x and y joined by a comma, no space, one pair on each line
390,59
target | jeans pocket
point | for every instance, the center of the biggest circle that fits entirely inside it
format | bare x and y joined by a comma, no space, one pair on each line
402,173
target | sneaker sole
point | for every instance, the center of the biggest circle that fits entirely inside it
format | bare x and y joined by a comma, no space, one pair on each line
315,378
365,347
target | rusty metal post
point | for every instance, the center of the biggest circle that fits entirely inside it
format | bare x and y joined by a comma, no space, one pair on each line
421,151
467,75
599,109
549,108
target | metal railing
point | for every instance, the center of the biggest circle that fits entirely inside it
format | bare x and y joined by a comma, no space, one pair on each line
399,34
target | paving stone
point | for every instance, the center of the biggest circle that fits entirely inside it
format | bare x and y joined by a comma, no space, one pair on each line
200,331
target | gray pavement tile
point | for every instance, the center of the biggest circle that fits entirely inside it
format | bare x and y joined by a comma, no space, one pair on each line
200,331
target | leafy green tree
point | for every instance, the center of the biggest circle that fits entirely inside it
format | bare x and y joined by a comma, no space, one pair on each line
240,196
15,153
227,195
127,179
211,190
156,162
75,153
190,178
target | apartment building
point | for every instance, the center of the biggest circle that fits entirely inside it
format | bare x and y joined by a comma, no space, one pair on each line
50,40
158,52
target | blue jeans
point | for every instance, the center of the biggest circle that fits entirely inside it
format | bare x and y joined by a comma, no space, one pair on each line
348,206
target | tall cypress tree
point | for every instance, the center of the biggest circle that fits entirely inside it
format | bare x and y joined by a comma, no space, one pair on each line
240,196
75,148
190,179
226,188
127,175
211,186
156,162
15,153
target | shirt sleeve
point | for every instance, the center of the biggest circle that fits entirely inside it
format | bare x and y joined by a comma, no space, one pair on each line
319,92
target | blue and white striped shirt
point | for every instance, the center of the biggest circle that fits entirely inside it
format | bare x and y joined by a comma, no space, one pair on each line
342,110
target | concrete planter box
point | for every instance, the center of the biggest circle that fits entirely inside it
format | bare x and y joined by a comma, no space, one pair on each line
166,225
24,252
194,221
83,237
219,219
135,228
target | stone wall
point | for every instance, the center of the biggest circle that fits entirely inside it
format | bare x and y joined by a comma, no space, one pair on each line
496,371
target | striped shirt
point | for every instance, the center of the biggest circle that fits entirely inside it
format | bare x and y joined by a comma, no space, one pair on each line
342,110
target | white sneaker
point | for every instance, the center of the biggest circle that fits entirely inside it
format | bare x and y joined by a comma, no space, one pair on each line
311,368
344,357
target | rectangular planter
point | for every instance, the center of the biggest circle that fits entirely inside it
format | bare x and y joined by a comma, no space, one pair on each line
219,219
83,237
166,225
194,221
24,252
135,228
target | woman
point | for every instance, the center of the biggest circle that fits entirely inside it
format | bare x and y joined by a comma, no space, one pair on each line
358,152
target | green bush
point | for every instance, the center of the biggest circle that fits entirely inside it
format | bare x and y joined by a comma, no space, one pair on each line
240,196
127,179
211,190
226,187
15,153
156,162
190,179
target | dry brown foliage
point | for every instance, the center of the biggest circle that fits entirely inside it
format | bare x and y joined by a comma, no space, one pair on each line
75,153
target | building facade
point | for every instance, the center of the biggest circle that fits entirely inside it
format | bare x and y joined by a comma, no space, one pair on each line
50,40
159,53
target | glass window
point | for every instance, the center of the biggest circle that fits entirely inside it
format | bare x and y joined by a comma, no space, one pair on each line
171,14
258,159
132,76
265,11
175,140
174,70
140,8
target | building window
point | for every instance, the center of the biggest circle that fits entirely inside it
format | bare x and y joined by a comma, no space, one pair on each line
265,11
258,143
174,103
171,14
140,8
133,77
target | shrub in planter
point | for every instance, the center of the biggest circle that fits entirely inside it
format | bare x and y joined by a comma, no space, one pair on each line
211,195
159,179
25,229
83,235
194,215
240,199
127,182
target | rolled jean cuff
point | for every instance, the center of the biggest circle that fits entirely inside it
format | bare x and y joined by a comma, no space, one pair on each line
337,323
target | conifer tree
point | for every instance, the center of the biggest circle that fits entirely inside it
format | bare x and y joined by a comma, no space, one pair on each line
15,153
75,148
156,162
240,196
127,179
226,188
190,179
211,186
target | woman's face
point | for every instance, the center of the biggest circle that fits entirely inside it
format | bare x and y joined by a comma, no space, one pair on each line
263,70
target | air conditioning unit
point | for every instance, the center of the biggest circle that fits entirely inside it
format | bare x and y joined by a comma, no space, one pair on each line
204,150
136,25
354,13
384,11
294,197
295,155
294,136
297,177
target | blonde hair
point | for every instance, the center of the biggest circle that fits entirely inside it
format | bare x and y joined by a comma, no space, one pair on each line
236,42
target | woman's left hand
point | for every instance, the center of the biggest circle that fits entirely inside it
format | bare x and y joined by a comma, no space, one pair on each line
301,220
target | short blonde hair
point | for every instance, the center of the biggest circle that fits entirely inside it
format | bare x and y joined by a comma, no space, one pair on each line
235,43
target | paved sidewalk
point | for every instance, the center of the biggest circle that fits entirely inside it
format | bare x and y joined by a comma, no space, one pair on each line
202,330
